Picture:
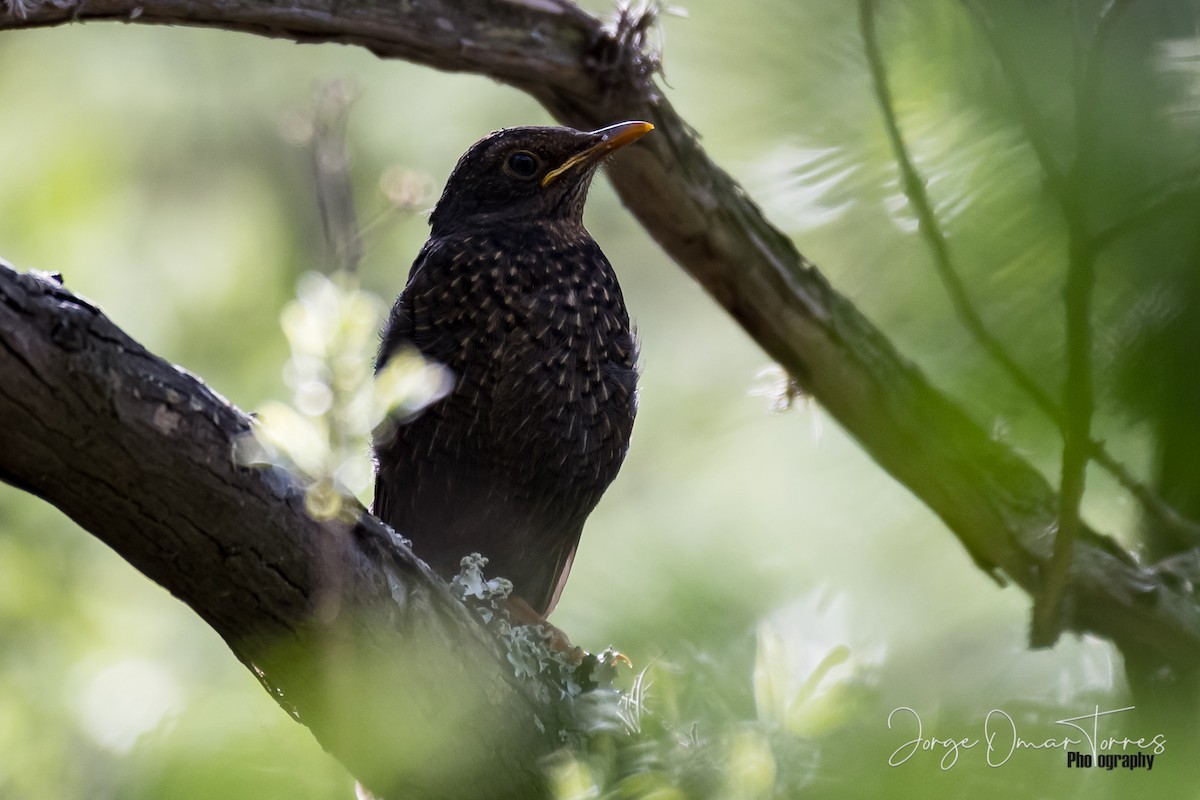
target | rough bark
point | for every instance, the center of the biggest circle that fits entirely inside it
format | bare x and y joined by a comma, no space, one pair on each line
338,619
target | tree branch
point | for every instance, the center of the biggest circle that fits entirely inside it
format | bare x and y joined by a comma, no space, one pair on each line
1078,402
338,619
1085,246
998,505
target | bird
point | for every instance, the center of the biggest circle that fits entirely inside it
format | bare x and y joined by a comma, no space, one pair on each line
514,297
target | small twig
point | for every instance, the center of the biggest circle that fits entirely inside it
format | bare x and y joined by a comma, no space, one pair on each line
1078,396
408,192
1151,502
331,170
1079,404
1078,390
914,188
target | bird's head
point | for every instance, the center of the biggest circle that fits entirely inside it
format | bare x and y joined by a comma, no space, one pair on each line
527,174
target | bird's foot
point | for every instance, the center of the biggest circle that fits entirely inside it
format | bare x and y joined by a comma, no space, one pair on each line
521,613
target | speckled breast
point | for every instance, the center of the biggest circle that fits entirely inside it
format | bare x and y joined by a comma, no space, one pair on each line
536,332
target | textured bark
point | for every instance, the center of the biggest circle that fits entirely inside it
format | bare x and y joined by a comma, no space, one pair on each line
345,627
999,506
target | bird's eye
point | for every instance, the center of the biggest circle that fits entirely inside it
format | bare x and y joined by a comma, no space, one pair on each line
523,164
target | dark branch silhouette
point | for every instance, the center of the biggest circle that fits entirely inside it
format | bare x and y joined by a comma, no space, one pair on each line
338,619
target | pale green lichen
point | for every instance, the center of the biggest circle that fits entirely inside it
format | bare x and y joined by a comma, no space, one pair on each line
552,673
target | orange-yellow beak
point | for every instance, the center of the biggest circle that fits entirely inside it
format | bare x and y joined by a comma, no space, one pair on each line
612,138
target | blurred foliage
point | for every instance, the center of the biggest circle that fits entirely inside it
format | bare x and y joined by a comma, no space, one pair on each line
337,400
778,594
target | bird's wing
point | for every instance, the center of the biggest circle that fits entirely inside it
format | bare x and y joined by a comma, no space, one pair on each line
379,504
397,331
564,571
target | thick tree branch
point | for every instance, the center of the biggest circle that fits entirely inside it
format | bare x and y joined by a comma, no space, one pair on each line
344,626
999,506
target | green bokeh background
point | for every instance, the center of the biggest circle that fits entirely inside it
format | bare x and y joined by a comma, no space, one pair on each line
154,168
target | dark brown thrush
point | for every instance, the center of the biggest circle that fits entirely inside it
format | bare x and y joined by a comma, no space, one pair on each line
514,296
